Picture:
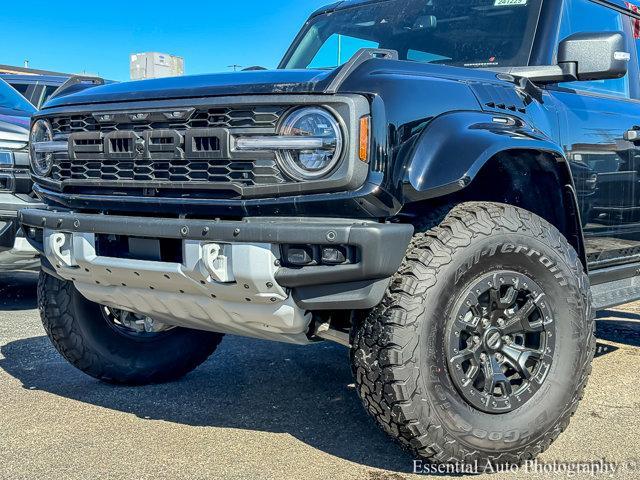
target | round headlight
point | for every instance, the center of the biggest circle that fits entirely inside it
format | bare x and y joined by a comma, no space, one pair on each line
41,162
314,163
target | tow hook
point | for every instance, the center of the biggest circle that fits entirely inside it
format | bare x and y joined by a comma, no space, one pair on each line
216,264
60,247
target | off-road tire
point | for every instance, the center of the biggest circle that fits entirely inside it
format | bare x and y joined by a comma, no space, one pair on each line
398,356
80,333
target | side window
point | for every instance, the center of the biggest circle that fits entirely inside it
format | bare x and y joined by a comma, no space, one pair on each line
338,49
587,16
21,88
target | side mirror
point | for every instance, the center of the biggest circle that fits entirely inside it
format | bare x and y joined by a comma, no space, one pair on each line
582,57
594,56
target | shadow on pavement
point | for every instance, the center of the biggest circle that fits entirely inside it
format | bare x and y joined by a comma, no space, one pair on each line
619,327
247,384
604,349
18,291
619,314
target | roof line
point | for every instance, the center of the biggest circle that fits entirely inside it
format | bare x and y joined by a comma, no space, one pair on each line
29,71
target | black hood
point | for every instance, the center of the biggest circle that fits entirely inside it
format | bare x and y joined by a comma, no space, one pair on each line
370,77
262,82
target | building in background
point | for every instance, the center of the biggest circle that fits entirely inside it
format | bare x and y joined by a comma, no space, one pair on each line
155,65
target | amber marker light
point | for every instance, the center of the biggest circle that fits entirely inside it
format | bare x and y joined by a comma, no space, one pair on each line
364,138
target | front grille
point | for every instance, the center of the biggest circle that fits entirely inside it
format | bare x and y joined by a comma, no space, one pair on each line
249,117
121,145
166,149
245,173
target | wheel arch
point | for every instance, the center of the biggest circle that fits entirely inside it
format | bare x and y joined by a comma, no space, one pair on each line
537,181
472,155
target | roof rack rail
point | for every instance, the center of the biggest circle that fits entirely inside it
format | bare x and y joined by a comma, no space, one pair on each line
75,81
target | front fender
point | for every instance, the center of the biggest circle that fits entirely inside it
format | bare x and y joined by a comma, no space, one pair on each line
455,146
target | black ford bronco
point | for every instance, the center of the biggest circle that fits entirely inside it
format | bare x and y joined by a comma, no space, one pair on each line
451,188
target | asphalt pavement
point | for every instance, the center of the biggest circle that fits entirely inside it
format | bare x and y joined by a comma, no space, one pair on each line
257,410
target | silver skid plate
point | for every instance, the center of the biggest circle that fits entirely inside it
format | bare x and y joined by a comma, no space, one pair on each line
227,288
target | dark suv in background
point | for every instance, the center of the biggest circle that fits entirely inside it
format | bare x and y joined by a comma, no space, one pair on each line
35,88
448,187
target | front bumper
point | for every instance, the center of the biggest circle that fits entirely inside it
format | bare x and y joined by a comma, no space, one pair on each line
369,201
243,276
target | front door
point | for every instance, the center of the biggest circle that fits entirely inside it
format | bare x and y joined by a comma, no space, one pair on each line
597,126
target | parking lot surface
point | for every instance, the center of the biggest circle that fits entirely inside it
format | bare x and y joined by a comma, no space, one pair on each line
255,410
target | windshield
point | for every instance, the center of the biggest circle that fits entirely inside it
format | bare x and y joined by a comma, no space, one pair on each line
12,103
467,33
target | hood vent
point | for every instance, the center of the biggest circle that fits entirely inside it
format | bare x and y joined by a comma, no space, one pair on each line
500,98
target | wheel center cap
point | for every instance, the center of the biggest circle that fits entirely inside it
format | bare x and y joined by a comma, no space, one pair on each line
493,339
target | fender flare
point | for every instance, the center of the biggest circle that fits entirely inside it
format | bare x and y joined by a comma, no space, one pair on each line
455,146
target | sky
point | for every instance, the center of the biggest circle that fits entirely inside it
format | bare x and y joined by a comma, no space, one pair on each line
98,36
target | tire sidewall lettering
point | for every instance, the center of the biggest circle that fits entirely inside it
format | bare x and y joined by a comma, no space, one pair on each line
510,248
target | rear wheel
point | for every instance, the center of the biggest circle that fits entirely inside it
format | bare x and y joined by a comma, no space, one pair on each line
117,346
482,347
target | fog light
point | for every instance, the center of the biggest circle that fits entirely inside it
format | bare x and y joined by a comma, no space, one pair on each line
300,255
333,256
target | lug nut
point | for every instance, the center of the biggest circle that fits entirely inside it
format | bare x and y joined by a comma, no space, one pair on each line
499,357
500,322
483,357
476,339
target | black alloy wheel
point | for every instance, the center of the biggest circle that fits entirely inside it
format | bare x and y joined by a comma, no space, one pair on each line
501,342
